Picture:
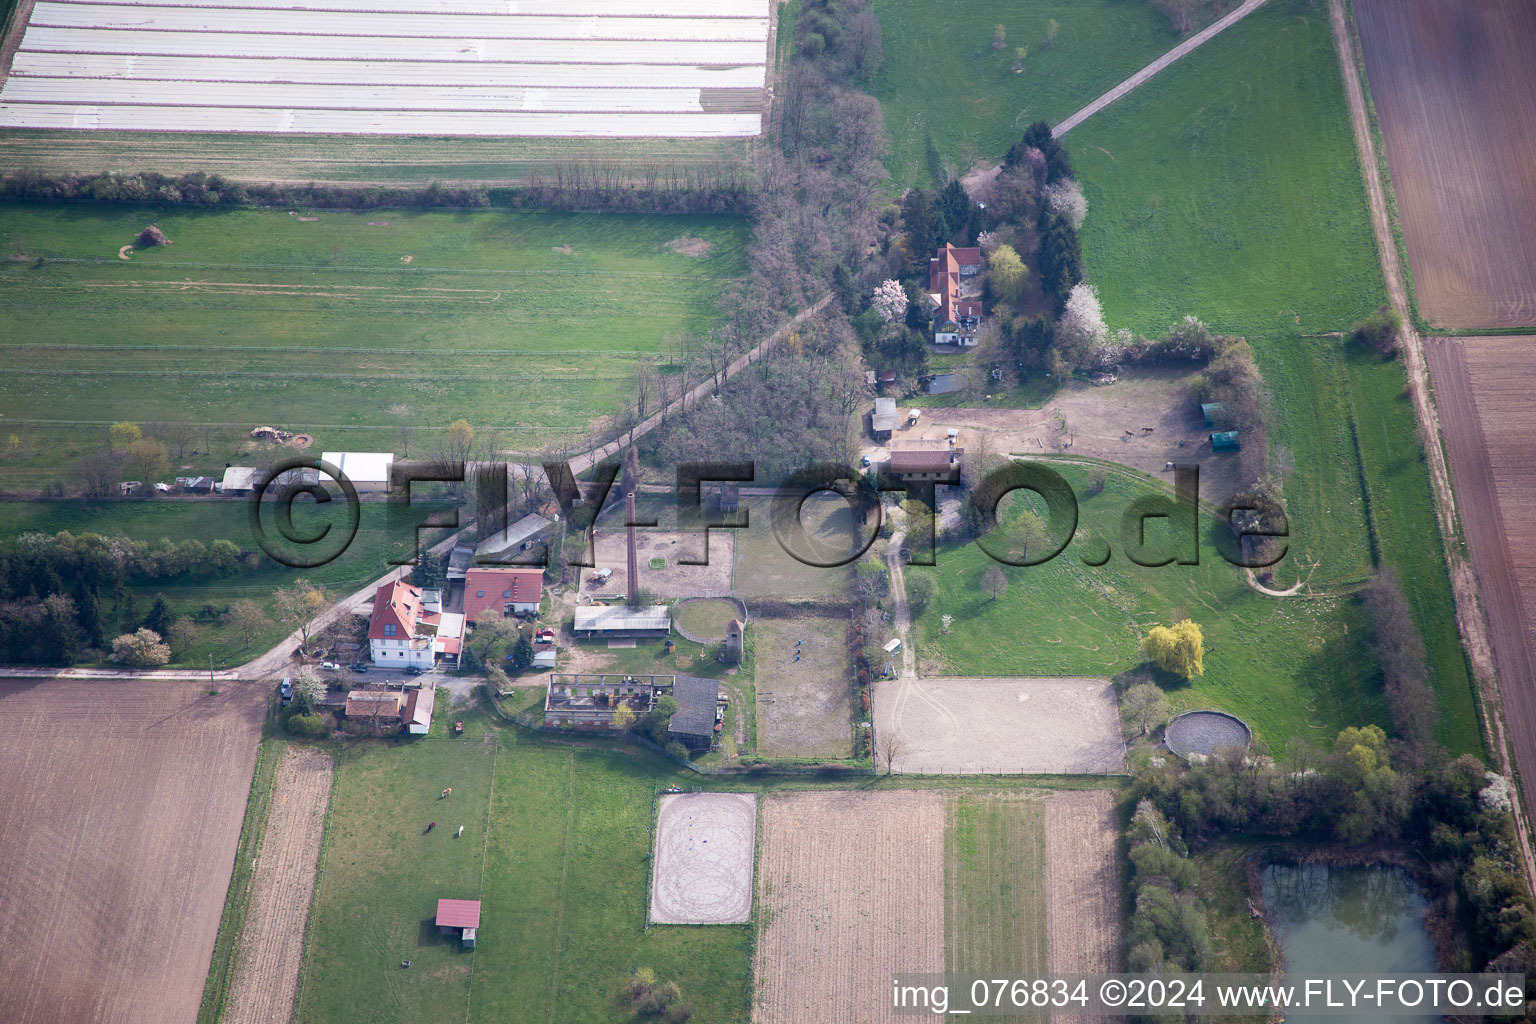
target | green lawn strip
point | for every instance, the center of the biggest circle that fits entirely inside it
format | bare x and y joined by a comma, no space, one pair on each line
378,540
994,894
944,85
382,874
222,966
1289,667
1409,535
354,159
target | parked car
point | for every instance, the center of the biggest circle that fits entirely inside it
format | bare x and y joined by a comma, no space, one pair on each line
330,666
358,666
413,670
864,460
287,690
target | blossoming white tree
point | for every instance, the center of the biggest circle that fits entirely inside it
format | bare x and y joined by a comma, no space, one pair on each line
1066,199
890,301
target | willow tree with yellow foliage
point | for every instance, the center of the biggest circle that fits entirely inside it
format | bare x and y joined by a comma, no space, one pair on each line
1179,648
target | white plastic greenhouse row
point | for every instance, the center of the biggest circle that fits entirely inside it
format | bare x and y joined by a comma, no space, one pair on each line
332,23
368,72
394,122
572,8
348,97
572,51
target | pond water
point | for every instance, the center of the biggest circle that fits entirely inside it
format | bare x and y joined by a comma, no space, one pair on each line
1332,920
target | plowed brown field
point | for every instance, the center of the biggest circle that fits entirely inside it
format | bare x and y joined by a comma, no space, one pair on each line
1487,413
851,888
119,817
272,938
1082,882
1456,99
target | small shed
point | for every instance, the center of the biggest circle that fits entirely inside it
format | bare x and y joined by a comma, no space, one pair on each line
884,419
462,916
417,714
735,635
1216,415
544,659
693,724
1225,441
730,497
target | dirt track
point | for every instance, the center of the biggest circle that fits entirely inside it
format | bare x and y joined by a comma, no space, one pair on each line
1456,104
851,887
272,939
1082,884
119,818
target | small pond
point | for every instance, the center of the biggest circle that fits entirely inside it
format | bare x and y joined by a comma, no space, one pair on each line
1333,920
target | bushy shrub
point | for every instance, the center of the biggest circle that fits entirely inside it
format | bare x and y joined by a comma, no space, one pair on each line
1381,331
310,724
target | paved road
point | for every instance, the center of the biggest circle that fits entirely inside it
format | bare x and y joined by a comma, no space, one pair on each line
1198,39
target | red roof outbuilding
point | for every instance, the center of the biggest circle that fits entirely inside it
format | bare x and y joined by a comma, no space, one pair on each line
458,913
497,588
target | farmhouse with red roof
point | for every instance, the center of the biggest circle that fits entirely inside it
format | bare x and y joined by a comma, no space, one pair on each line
954,318
402,633
507,592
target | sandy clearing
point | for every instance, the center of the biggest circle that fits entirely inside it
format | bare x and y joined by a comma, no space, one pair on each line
999,725
851,889
1082,884
688,245
675,580
271,946
705,847
121,813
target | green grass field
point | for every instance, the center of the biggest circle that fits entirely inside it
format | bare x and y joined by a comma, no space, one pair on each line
994,892
1228,187
367,558
1287,667
529,323
707,617
950,98
556,845
766,568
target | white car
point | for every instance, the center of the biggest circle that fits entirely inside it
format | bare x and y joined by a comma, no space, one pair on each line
330,666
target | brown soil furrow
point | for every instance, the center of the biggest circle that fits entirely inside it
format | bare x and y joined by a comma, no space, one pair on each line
851,890
1082,885
272,938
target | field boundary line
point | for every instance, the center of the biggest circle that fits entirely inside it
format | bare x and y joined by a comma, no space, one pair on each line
485,846
1136,80
1470,621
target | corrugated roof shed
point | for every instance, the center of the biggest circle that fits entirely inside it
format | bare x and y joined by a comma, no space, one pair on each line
610,618
362,467
510,541
696,700
885,417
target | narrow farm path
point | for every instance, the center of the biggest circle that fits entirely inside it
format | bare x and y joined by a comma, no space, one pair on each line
1520,742
1130,84
272,939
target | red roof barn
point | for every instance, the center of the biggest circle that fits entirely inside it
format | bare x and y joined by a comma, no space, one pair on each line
464,914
